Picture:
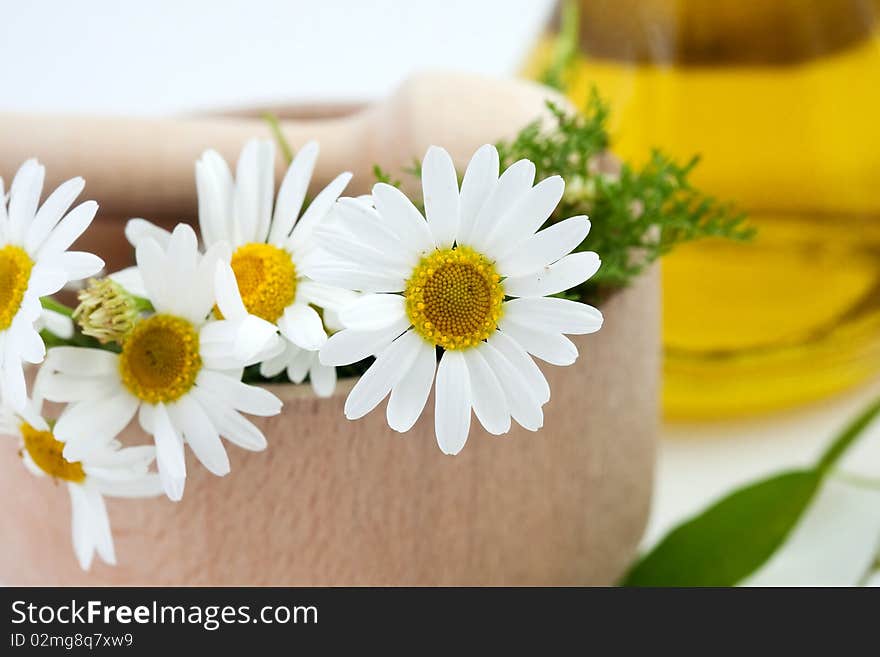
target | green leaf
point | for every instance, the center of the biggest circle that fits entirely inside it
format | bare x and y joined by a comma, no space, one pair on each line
732,538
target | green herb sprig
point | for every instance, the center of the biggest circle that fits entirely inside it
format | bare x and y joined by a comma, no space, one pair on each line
638,213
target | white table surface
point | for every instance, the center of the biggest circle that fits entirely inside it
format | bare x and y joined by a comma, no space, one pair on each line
167,56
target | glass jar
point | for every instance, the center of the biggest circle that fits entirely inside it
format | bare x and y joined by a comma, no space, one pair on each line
782,101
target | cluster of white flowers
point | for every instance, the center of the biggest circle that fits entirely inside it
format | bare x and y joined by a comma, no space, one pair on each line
298,292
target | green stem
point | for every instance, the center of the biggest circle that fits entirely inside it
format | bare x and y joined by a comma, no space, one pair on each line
566,46
847,437
275,127
50,304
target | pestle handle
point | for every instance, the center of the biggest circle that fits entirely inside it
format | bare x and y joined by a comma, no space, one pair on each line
145,167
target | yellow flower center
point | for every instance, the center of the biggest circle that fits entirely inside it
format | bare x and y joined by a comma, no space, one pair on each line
453,298
15,274
266,279
46,451
160,359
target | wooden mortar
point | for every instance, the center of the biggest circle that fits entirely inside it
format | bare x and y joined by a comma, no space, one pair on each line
333,502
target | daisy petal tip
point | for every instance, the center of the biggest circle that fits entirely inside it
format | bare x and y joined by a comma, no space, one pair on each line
174,488
450,450
436,151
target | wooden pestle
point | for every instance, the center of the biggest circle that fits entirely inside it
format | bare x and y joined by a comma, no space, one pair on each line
145,167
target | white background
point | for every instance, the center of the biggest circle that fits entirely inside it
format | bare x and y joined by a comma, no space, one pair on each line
167,56
161,56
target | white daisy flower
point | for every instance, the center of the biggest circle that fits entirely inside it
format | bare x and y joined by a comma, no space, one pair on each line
472,279
179,369
271,247
111,470
35,262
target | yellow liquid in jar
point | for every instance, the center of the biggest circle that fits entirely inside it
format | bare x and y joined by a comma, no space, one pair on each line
795,314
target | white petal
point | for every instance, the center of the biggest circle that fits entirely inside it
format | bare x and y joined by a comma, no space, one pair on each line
68,230
99,523
293,192
324,296
552,315
58,324
523,364
322,377
151,265
81,361
272,367
390,367
215,189
302,325
80,524
354,278
202,286
223,344
347,346
79,265
368,229
137,229
299,363
47,278
73,388
13,389
544,248
146,418
240,396
358,252
479,180
511,186
227,293
170,458
567,273
440,190
403,219
201,435
523,401
181,260
373,311
232,426
552,348
131,281
31,347
89,425
148,485
254,189
452,407
24,195
125,458
409,396
50,213
488,398
526,216
317,210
